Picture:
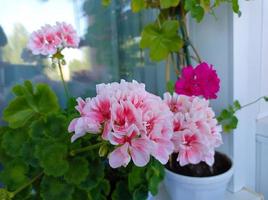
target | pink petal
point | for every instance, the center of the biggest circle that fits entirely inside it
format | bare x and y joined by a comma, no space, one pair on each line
140,151
119,157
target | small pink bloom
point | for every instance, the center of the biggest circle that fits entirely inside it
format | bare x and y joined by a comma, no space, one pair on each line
200,81
190,147
119,157
67,34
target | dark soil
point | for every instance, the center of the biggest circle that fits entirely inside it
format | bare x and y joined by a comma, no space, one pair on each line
221,165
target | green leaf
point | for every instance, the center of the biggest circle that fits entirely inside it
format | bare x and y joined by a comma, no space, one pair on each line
140,194
80,195
27,153
78,171
137,5
121,192
168,3
237,105
155,174
18,113
265,98
46,99
5,195
13,141
205,4
55,189
100,191
136,178
170,86
198,13
14,174
235,6
52,158
161,40
105,2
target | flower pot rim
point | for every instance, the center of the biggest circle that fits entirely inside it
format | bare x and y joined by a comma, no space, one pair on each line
201,180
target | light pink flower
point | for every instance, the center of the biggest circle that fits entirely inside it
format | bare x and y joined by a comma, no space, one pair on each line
137,124
67,34
50,39
195,129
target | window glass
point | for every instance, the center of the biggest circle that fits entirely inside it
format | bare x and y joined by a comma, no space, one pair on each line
109,48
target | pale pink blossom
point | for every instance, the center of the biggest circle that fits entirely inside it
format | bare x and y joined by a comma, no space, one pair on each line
137,124
48,40
196,133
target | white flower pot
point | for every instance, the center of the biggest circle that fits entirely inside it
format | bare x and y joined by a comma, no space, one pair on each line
181,187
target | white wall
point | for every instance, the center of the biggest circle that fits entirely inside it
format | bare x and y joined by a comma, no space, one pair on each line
234,46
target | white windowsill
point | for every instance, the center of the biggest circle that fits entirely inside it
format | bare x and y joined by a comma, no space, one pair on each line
244,194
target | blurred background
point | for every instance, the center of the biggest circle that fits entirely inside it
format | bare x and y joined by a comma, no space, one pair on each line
109,48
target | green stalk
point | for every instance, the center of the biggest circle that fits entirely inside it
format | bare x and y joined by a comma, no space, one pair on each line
27,184
84,149
63,81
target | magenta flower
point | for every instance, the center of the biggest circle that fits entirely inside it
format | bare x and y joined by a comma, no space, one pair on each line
196,133
137,124
199,81
50,39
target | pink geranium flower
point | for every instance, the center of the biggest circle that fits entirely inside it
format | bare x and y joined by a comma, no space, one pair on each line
196,133
50,39
137,124
199,81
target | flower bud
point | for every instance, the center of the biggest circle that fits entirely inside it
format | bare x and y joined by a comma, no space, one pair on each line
103,150
53,65
63,62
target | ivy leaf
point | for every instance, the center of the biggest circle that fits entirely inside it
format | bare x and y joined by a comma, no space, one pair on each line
161,40
205,4
198,13
55,189
121,191
105,2
78,171
52,158
14,174
168,3
235,6
13,141
137,5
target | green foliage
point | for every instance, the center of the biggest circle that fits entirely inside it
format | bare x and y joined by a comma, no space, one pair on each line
78,171
161,39
227,117
168,3
137,5
29,104
105,2
170,86
55,189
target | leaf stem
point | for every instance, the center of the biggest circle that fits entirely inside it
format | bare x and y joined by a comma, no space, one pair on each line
167,69
84,149
253,102
195,51
63,81
27,184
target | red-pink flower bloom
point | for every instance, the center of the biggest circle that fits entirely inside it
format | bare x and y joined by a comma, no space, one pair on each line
136,123
196,133
49,39
199,81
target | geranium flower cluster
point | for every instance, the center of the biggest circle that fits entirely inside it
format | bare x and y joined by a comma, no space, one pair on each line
196,134
49,39
199,81
136,123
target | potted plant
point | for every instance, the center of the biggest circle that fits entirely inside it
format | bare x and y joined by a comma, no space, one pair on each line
42,160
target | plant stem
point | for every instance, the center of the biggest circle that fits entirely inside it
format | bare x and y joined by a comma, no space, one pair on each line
63,81
195,51
167,69
84,149
27,184
253,102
